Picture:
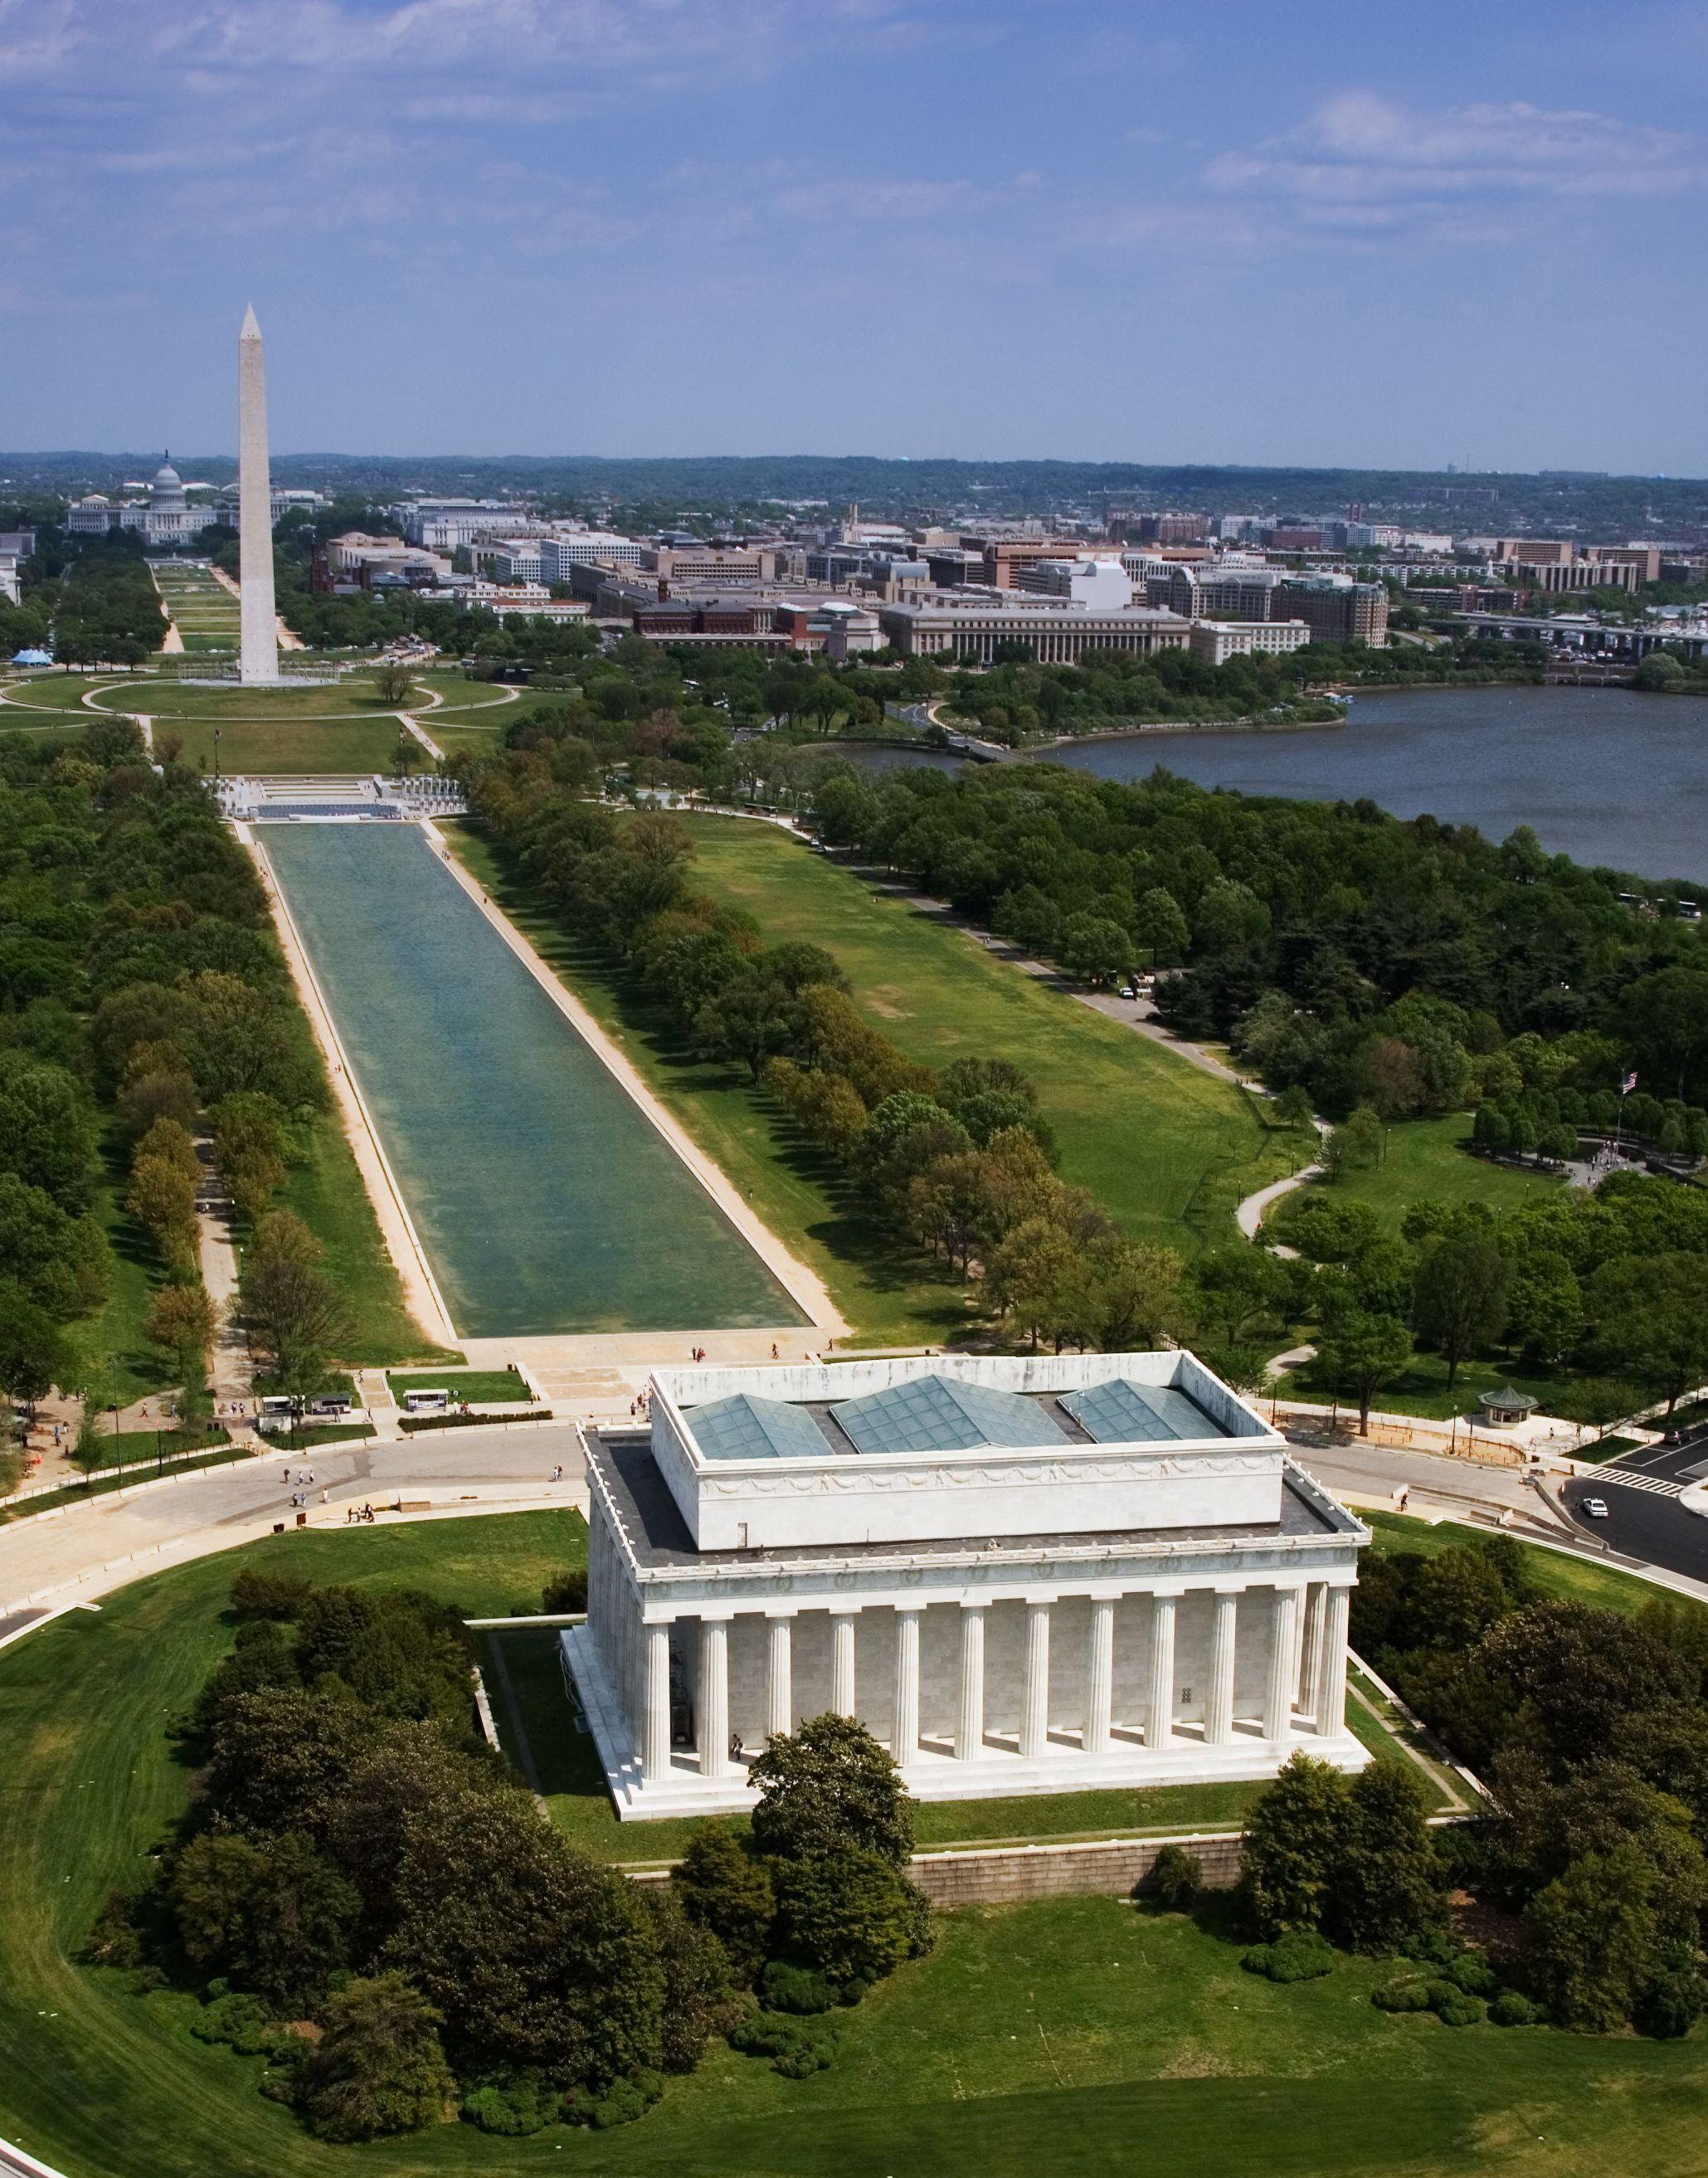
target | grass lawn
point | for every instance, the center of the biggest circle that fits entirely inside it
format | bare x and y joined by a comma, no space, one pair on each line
474,1384
1427,1157
530,1703
325,1189
1166,1149
350,746
1076,2039
113,1358
56,692
1556,1573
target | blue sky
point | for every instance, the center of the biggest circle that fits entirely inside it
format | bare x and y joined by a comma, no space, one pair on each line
1101,229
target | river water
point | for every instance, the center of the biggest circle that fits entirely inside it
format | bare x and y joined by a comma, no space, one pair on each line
1603,775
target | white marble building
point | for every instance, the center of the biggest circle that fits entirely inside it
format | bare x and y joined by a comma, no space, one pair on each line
1025,1575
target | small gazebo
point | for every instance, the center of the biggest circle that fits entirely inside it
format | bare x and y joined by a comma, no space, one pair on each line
1505,1410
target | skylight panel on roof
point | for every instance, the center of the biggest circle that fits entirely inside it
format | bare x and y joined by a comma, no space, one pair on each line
936,1414
743,1427
1121,1412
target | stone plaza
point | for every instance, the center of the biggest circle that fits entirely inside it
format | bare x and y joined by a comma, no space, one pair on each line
1037,1574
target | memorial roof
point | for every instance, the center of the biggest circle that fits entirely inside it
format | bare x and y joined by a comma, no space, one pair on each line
744,1427
661,1538
1121,1412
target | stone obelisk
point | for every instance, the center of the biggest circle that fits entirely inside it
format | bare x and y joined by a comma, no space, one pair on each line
260,656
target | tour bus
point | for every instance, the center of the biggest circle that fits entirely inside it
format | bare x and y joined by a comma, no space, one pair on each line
431,1399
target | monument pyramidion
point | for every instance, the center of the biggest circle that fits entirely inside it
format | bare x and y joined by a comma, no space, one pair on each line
258,656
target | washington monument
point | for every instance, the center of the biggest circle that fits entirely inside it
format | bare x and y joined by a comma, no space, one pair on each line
260,656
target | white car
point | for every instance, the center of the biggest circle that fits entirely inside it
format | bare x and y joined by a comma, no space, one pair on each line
1594,1508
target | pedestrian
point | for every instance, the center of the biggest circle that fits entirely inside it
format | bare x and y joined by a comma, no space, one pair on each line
286,1476
324,1496
773,1350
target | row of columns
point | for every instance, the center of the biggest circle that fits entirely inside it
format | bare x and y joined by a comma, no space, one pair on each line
1308,1670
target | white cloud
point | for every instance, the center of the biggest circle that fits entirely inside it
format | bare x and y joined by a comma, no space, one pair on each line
1359,152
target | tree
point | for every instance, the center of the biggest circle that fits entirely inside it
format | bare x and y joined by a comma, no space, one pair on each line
47,1133
1240,1291
274,1918
697,1984
728,1889
391,683
290,1310
379,2065
1361,1353
1355,1146
849,1913
827,1788
1388,1880
1159,923
1545,1304
1459,1296
1650,1317
1295,1836
34,1354
1589,1939
180,1320
1093,949
751,1018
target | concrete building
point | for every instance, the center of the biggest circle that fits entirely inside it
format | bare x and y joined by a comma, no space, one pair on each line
164,517
9,577
582,548
1335,609
1216,641
1057,634
1004,557
443,524
1036,1574
711,563
1102,585
1214,592
1555,576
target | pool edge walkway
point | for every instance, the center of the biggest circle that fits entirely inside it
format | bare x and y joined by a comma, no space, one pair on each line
802,1284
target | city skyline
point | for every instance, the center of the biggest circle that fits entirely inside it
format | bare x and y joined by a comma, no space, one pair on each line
769,228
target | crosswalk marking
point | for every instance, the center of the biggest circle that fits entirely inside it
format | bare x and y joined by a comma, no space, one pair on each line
1627,1479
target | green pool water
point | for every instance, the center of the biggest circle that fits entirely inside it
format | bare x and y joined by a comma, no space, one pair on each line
544,1198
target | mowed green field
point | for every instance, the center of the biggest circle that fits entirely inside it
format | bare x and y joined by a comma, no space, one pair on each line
1428,1158
352,747
1075,2037
1165,1148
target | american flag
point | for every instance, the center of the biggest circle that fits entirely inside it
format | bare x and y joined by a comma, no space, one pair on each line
1627,1085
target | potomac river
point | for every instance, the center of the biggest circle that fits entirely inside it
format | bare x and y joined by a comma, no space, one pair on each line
1603,775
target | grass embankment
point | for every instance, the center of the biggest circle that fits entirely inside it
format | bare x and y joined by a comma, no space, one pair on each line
352,747
325,1189
1557,1573
1165,1148
1070,2039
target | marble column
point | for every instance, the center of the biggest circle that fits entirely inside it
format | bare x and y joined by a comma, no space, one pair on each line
904,1739
655,1743
1218,1705
1311,1655
1099,1693
970,1731
1331,1666
841,1662
1278,1693
713,1704
779,1682
1159,1715
1034,1718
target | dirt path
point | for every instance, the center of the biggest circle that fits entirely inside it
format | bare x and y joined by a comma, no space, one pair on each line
231,1375
288,638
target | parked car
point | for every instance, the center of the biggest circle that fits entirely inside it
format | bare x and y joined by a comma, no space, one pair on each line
1594,1508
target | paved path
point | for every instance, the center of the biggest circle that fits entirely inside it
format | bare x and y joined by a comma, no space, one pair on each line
92,1548
231,1373
1250,1213
413,725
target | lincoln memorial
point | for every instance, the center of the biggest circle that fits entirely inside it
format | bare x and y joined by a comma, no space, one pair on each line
1033,1574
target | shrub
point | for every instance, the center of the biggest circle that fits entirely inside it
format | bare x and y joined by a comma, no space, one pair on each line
512,2103
1401,1996
1433,1947
241,2022
115,1939
256,1594
829,1787
378,2066
1671,2006
1474,1976
1512,2008
1463,2011
794,2048
785,1987
621,2102
1298,1955
564,1592
698,1992
1176,1879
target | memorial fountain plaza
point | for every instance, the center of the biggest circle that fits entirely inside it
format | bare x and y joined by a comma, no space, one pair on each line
1036,1574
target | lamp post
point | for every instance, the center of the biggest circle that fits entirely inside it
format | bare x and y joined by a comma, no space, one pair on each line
216,762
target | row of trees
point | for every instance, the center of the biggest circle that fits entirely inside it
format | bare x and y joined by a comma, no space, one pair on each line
107,610
1412,966
1591,1730
354,1860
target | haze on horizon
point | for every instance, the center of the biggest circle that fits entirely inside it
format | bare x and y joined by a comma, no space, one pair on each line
1091,231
